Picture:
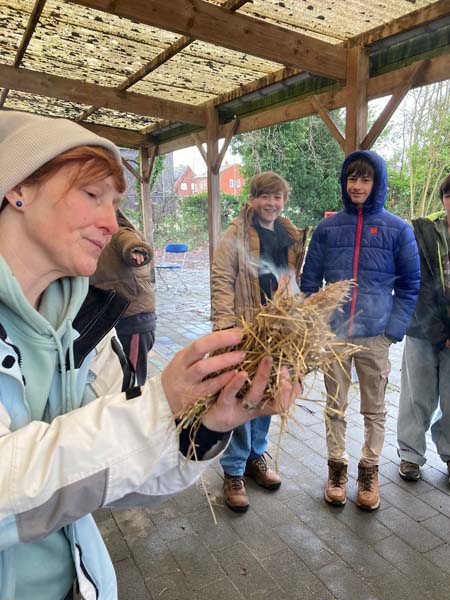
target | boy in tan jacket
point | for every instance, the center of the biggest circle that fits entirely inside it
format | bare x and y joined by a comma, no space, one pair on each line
256,250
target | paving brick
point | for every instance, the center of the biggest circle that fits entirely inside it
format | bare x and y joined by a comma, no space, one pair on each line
362,523
421,572
130,582
259,537
152,556
269,506
408,530
306,545
393,585
172,586
214,536
439,525
224,589
297,583
244,570
407,502
438,500
135,522
117,547
344,583
437,479
440,556
196,561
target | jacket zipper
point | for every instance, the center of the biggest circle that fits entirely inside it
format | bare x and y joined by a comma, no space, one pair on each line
355,269
85,572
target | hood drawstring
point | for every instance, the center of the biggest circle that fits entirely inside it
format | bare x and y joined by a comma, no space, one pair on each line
68,399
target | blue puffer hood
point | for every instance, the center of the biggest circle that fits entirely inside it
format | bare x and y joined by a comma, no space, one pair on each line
377,198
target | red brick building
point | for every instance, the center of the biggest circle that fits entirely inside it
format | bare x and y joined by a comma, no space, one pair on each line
186,184
189,184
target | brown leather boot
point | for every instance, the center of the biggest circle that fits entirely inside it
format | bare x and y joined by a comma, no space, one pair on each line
235,495
258,470
335,490
368,497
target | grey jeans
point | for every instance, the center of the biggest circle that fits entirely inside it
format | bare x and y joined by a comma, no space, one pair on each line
372,366
425,384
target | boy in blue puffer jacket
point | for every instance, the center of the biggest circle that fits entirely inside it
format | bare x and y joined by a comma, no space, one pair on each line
376,249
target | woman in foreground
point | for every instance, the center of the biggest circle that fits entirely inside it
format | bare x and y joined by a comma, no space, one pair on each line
75,435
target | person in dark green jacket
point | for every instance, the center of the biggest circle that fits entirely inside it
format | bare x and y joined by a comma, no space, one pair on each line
425,381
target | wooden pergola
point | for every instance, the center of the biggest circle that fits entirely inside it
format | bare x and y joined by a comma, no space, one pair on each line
161,75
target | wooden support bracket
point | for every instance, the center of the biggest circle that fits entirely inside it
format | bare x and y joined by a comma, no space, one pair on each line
334,128
229,130
392,105
197,141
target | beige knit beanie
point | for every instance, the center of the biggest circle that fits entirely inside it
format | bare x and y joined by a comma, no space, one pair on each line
29,141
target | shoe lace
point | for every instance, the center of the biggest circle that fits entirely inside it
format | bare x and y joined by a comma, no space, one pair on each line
366,479
236,483
336,477
261,463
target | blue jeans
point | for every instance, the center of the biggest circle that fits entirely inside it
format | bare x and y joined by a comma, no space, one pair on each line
247,442
425,383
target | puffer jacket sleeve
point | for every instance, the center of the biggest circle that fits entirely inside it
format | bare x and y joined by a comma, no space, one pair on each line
406,284
120,449
311,280
225,271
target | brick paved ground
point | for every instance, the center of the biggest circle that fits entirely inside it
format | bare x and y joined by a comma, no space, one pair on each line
290,545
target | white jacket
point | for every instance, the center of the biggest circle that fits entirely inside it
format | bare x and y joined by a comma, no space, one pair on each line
118,450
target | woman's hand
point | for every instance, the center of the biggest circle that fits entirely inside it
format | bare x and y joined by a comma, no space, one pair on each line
184,382
229,411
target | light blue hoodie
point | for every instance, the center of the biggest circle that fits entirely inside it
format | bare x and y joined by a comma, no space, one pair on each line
43,337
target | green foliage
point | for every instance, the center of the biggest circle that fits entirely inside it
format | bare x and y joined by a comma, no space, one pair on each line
190,224
134,215
420,136
158,167
306,155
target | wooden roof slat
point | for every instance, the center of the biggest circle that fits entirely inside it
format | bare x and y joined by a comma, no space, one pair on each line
31,25
80,91
421,16
160,59
436,69
210,23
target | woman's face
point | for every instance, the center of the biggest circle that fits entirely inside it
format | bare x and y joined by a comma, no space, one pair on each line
69,226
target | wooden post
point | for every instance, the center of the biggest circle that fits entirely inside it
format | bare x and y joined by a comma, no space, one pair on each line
146,165
356,101
212,153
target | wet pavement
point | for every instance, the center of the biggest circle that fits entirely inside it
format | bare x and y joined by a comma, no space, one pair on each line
290,545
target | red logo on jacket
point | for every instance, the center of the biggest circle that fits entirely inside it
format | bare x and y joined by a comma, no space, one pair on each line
374,230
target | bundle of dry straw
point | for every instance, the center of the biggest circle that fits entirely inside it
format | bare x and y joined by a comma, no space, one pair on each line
295,331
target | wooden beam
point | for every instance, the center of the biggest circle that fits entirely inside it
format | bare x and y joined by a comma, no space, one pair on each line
421,16
199,145
229,130
209,23
131,169
212,140
436,69
334,128
145,166
391,106
160,59
121,137
356,106
44,84
31,26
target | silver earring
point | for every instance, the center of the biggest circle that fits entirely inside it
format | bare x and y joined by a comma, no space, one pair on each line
19,203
